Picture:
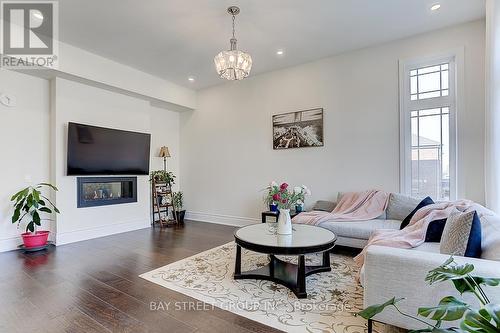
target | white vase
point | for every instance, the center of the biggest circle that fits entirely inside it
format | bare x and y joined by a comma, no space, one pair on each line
284,222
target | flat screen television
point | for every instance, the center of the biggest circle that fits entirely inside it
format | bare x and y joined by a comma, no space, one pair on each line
96,150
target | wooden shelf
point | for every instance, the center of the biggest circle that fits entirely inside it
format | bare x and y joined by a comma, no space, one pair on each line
161,211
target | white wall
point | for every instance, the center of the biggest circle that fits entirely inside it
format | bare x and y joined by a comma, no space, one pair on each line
24,145
226,143
76,102
33,145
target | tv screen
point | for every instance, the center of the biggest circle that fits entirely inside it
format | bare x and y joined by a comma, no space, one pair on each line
96,150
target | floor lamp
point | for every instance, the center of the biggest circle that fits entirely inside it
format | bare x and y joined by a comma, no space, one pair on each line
164,153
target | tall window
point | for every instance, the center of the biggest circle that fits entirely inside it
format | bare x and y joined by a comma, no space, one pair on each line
428,144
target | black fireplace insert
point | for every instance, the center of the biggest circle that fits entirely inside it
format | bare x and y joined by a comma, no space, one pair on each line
102,191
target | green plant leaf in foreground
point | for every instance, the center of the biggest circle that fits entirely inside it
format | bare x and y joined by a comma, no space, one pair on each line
449,309
373,310
481,320
449,271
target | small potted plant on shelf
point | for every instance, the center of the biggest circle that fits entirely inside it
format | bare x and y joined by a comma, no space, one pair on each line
300,193
272,189
178,202
30,206
162,176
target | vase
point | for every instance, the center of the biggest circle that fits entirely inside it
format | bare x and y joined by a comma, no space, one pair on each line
284,222
298,209
273,207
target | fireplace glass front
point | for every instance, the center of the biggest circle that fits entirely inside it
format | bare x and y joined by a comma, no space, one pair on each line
100,191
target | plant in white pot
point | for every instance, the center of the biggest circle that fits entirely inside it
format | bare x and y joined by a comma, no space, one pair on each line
31,206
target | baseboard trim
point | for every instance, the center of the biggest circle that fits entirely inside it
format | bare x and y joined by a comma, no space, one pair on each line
10,243
237,221
107,230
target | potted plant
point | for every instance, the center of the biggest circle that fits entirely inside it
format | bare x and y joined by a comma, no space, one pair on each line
272,190
177,200
300,193
162,176
483,320
30,205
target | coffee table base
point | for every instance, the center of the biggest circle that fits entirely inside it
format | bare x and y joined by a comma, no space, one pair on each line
287,274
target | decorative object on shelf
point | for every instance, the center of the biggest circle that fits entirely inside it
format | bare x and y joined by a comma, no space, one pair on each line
275,194
162,176
298,129
233,64
30,205
164,153
162,198
178,201
486,319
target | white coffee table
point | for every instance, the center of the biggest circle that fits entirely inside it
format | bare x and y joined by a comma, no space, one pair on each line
304,239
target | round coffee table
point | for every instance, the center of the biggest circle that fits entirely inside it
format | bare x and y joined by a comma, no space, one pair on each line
304,239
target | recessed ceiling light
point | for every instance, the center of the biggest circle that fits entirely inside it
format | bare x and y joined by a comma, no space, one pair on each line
38,15
435,7
280,52
191,79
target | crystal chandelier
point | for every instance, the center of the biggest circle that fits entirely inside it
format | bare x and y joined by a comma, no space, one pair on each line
233,64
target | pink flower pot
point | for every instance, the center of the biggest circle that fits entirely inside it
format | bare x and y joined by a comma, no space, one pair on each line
35,240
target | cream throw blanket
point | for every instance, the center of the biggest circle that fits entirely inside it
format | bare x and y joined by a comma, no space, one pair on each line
413,235
353,206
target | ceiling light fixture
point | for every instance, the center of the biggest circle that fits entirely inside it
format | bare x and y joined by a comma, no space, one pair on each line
191,79
233,64
280,52
435,7
37,14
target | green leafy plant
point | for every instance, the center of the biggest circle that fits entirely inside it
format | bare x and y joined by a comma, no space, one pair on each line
178,200
483,320
162,176
30,205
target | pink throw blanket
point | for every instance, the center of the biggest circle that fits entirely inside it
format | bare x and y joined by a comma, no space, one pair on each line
414,234
353,206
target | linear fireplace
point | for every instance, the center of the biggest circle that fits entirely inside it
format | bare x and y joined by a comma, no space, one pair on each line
101,191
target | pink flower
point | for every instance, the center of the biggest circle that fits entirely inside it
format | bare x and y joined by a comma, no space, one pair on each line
283,201
283,186
276,197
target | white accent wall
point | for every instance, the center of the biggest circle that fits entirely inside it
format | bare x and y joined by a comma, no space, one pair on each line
226,143
33,144
24,145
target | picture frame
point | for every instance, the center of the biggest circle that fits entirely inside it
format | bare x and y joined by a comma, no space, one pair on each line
299,129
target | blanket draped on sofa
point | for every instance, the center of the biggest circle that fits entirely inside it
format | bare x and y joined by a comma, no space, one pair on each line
353,206
413,235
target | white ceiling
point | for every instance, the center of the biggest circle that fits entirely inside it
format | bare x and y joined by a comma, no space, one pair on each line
175,39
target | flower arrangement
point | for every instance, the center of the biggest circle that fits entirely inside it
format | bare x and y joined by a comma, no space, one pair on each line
285,198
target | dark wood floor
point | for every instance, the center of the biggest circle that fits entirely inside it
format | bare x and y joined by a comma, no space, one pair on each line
93,286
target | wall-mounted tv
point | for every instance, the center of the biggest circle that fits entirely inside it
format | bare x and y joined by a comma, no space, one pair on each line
96,150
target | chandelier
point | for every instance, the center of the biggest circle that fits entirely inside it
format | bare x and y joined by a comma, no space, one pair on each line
233,64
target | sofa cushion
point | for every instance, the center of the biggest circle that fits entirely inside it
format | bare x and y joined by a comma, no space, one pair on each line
359,229
400,206
490,242
435,231
425,202
462,235
325,206
382,216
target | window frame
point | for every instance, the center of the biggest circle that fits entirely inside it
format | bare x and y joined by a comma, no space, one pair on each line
451,101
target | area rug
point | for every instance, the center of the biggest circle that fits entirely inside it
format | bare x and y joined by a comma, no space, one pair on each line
333,297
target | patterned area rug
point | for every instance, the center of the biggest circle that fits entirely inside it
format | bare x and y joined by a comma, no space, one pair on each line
333,297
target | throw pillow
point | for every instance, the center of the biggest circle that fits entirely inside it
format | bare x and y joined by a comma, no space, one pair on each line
435,231
326,206
427,201
400,206
462,235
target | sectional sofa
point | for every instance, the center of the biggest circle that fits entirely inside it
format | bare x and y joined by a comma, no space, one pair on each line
391,272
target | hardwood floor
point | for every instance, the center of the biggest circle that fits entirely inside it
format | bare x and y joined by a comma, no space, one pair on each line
93,286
